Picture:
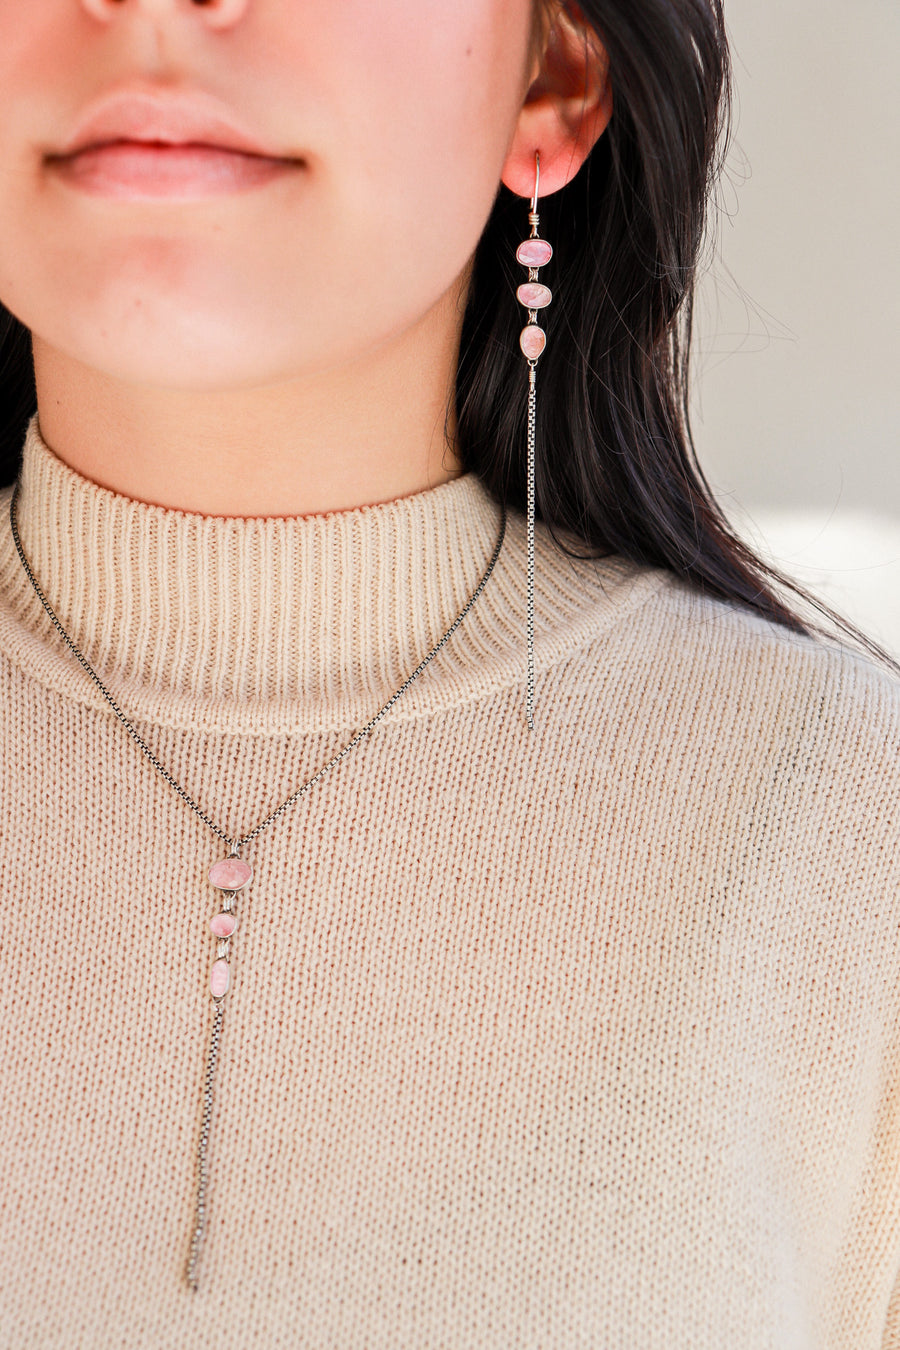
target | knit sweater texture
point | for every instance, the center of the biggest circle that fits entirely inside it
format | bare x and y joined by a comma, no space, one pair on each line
580,1036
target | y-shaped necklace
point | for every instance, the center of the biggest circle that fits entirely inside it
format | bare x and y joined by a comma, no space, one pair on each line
232,874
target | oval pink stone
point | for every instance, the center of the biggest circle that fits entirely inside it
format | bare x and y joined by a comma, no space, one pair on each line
218,978
230,874
223,925
534,252
533,295
532,340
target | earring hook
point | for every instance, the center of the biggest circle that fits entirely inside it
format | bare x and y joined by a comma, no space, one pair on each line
537,179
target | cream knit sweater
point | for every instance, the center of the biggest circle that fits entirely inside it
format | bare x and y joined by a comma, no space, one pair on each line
581,1037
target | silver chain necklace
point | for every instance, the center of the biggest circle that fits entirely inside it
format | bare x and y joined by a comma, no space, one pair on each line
233,873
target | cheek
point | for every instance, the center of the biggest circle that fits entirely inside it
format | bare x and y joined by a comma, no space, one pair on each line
435,106
35,64
432,109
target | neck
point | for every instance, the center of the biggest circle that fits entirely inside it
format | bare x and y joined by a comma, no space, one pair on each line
373,430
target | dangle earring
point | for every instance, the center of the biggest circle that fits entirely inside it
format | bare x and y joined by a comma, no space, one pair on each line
532,253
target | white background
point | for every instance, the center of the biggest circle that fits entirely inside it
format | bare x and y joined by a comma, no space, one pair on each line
796,369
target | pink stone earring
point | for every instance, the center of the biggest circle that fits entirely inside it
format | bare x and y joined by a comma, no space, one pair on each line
532,253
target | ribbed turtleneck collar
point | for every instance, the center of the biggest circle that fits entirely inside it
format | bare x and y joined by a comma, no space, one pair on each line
273,625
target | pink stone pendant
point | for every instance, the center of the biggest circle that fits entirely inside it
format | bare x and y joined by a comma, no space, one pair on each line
532,340
218,978
223,925
533,295
534,252
230,874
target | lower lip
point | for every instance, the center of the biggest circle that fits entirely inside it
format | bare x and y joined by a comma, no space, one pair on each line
136,171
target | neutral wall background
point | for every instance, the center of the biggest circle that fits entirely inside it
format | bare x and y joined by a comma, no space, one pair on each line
796,366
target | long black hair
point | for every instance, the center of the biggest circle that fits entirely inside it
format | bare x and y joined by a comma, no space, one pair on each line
616,467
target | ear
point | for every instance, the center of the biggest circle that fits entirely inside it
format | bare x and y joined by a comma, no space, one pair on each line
567,107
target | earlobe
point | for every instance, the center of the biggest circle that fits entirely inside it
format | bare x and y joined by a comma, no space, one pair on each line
566,110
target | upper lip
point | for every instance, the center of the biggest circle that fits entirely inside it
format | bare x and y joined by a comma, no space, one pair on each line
175,117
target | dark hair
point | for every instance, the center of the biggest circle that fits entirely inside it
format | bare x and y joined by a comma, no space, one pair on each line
616,467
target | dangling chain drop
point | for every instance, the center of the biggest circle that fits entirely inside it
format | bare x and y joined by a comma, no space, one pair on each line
532,253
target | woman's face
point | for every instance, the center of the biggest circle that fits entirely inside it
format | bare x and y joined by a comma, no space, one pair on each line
398,115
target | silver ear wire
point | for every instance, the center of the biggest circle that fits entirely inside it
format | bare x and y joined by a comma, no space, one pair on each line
532,253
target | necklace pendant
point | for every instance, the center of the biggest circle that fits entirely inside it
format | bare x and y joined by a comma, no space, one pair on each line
230,875
219,978
223,924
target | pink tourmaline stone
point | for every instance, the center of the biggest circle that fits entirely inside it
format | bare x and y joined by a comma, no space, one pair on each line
218,978
534,252
223,925
532,340
533,295
230,874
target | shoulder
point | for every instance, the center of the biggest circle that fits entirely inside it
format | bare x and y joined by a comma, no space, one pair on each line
728,753
710,688
747,661
723,655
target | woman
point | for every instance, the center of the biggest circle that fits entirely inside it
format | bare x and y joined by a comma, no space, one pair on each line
450,896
